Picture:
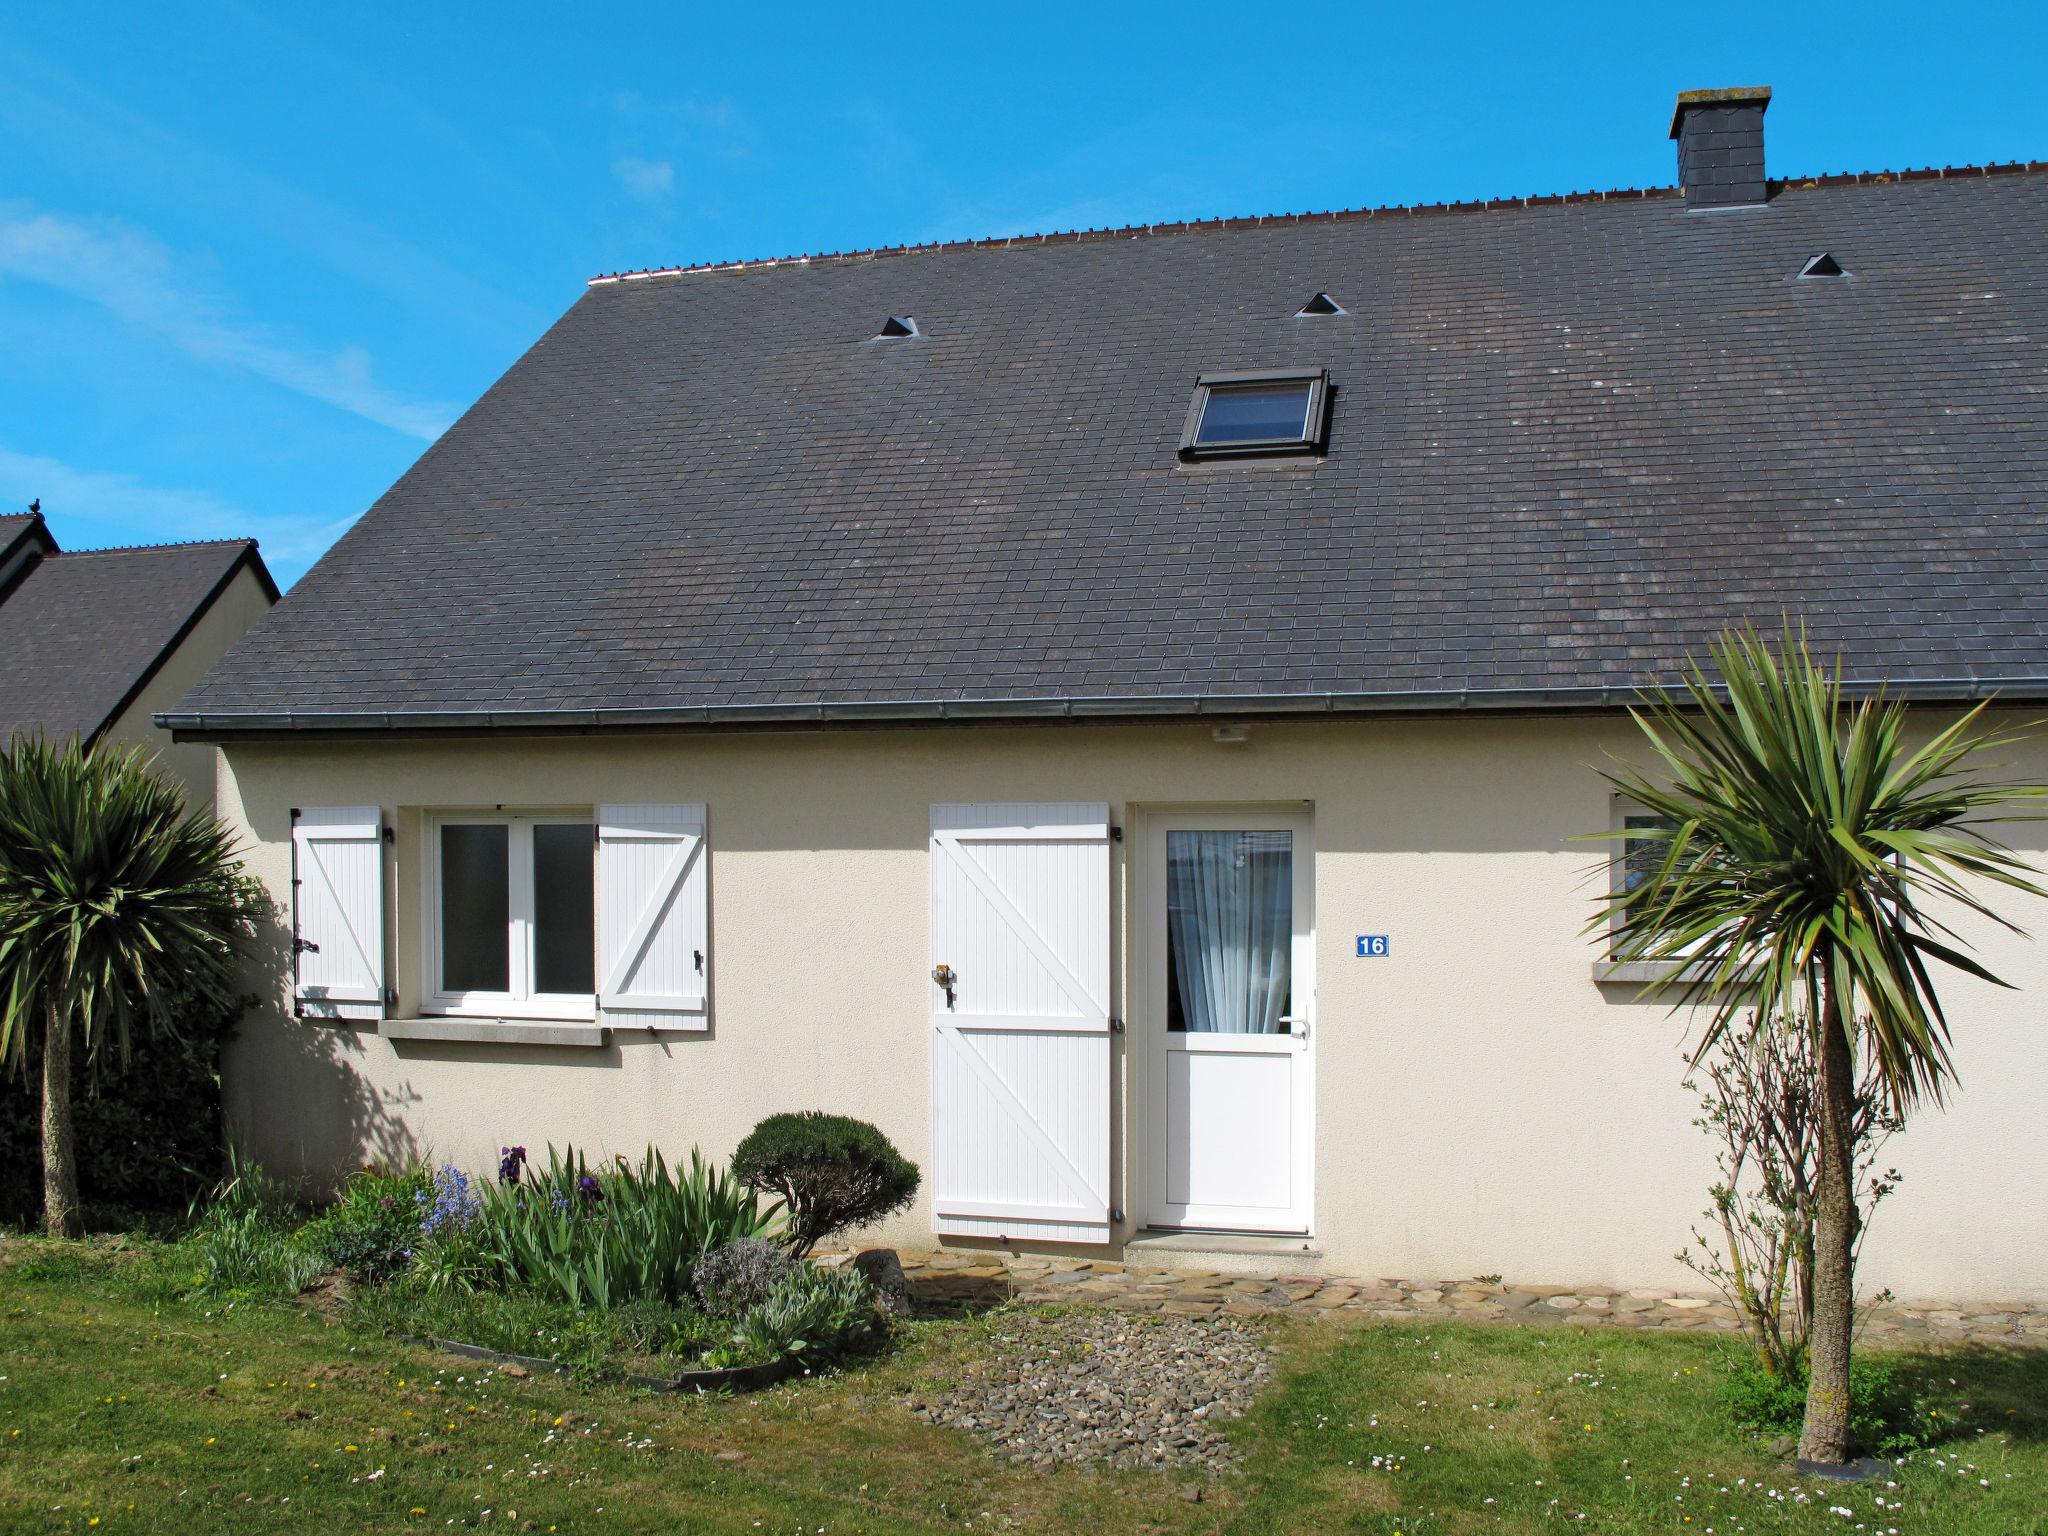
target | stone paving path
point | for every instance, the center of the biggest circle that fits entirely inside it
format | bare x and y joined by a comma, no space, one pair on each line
952,1278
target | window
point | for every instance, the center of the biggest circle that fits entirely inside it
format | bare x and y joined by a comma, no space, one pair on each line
1633,861
1255,413
511,914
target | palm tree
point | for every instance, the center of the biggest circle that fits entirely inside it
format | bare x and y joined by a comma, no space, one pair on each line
1807,842
109,895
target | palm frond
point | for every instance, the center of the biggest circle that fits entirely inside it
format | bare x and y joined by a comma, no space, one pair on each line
1809,847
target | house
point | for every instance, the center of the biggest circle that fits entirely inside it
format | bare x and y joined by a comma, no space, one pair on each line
94,642
1115,710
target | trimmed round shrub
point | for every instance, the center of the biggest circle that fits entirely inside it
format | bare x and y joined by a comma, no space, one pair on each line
831,1171
741,1275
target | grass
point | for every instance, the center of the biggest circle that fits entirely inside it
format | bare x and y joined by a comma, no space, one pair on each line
124,1406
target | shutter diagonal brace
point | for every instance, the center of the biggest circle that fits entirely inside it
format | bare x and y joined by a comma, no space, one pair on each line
673,877
1096,1013
370,993
1076,1181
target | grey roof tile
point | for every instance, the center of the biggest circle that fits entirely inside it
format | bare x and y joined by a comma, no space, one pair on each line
1568,444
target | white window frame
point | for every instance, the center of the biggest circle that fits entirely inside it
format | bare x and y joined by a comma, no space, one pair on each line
1607,967
521,1001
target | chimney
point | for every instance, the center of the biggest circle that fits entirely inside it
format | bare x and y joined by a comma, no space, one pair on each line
1721,147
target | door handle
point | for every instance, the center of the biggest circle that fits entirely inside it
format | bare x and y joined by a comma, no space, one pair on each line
1296,1027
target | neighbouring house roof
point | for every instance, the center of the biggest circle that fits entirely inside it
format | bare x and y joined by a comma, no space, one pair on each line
83,631
1570,439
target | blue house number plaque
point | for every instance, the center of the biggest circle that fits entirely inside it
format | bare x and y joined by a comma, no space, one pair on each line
1371,946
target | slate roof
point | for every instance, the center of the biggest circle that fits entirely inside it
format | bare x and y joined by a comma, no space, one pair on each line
84,630
1569,442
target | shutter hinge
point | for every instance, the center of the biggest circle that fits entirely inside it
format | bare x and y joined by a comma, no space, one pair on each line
304,947
1116,1026
391,997
390,834
1116,834
295,813
1116,1214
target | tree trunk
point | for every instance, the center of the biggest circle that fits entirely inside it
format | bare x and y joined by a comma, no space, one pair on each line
61,1215
1825,1437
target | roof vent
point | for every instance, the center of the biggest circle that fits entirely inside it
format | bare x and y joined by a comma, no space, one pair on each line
896,326
1823,265
1321,304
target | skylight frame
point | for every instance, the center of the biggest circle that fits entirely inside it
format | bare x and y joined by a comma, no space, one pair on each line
1315,415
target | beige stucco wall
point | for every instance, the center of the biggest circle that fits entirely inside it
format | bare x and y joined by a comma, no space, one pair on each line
192,764
1482,1103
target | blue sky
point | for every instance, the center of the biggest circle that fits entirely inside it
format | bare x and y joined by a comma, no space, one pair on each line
252,260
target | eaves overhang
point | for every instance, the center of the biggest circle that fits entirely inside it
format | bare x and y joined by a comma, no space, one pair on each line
222,726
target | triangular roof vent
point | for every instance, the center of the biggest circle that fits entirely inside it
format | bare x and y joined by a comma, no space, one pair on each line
896,326
1321,304
1823,265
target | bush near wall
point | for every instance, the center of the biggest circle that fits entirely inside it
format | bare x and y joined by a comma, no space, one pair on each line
149,1130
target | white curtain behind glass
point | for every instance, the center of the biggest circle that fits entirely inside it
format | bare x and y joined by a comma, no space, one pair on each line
1230,919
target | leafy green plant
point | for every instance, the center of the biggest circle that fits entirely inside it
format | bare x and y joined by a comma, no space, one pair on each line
523,1323
832,1171
112,899
372,1232
813,1314
605,1238
244,1238
1885,1419
1809,848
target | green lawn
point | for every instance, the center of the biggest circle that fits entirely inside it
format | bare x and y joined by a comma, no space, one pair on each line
123,1409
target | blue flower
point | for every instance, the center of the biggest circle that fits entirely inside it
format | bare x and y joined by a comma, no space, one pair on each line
452,1203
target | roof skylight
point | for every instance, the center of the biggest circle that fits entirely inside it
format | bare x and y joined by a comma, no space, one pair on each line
1823,265
1236,414
1321,304
895,327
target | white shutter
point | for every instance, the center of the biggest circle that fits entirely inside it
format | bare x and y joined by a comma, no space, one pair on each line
338,912
652,921
1020,1051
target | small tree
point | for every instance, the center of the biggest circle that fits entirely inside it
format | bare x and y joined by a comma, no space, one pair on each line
1806,843
1762,1085
112,901
831,1171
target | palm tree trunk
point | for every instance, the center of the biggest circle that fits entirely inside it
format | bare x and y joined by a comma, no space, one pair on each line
61,1215
1825,1437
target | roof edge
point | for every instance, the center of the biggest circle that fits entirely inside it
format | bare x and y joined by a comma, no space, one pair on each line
221,725
1283,220
249,559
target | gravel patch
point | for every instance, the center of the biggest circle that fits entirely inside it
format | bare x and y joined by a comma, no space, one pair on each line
1109,1389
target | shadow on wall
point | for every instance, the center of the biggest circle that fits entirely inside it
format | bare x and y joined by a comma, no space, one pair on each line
336,1119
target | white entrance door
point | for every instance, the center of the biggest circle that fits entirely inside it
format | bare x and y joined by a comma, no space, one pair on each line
1228,1021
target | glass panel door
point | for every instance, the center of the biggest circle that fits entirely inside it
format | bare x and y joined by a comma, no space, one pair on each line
1229,931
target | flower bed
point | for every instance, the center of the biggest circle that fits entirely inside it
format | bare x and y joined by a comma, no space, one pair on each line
679,1278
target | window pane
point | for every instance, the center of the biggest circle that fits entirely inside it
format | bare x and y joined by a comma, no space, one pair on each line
1252,413
1229,931
564,925
1642,857
475,911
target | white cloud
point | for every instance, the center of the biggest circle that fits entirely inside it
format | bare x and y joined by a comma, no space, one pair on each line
133,275
648,180
129,510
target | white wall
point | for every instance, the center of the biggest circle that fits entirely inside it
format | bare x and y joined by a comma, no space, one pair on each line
191,763
1483,1104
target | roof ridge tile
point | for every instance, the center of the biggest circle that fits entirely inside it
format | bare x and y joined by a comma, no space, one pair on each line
1334,215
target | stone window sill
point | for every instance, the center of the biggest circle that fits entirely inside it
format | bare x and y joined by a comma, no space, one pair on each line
479,1031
